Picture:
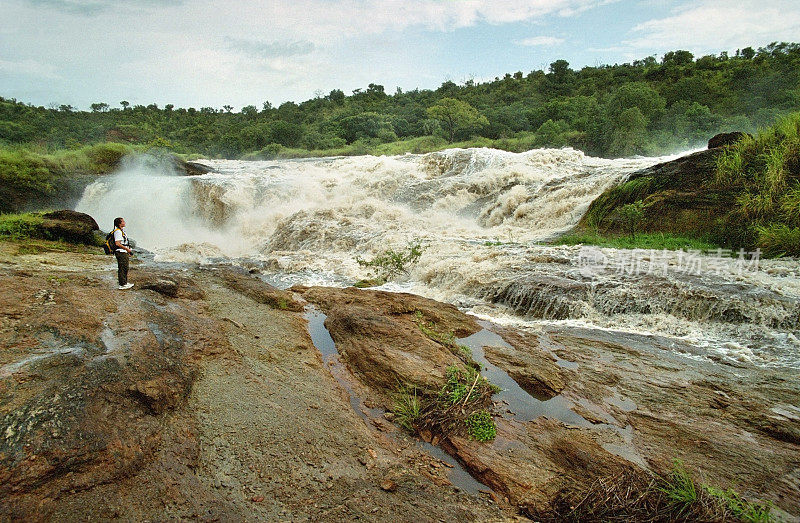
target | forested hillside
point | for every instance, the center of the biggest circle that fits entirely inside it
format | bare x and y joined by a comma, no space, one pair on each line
646,107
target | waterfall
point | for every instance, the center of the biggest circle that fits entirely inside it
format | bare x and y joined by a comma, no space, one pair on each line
480,214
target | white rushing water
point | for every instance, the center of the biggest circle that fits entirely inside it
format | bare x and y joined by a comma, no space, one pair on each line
480,215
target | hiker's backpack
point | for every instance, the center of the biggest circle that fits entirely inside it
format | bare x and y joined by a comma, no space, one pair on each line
110,246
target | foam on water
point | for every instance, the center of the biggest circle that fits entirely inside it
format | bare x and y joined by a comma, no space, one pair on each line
480,214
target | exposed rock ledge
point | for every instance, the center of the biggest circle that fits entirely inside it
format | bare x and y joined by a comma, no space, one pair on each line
201,395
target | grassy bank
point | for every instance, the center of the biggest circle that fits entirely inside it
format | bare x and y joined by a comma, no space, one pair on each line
657,241
37,232
30,174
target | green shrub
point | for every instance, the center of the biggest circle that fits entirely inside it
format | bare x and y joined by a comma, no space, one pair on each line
390,263
104,157
21,170
632,215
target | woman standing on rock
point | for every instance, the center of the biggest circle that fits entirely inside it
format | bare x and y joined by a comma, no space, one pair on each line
122,253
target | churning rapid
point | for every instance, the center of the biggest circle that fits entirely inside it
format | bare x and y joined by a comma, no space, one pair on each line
480,215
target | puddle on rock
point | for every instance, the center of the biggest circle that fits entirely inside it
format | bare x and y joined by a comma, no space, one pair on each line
324,343
322,340
524,406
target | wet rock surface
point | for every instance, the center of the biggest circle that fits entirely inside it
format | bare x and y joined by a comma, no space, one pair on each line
159,403
377,335
642,405
86,378
199,394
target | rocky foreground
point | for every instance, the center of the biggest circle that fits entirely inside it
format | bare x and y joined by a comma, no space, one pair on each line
200,394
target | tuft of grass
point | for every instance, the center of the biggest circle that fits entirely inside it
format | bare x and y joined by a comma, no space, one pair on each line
778,239
407,407
740,508
450,410
679,488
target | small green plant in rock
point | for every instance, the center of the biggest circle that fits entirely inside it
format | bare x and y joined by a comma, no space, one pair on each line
679,488
480,426
742,509
457,385
390,264
407,407
464,393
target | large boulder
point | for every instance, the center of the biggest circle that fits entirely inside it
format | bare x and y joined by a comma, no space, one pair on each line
69,226
191,168
680,197
725,139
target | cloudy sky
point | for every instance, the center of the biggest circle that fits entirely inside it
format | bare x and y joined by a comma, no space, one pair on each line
194,53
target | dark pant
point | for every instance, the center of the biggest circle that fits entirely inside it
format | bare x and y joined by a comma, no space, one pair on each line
122,267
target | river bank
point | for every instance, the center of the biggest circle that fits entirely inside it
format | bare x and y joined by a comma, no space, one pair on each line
201,393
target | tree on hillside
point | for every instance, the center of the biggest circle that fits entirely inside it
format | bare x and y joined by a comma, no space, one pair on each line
455,114
629,133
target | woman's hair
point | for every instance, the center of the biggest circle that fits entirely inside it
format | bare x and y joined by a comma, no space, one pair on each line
117,221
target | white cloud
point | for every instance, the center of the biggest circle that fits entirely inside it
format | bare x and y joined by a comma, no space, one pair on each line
324,20
93,7
261,49
721,24
545,41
